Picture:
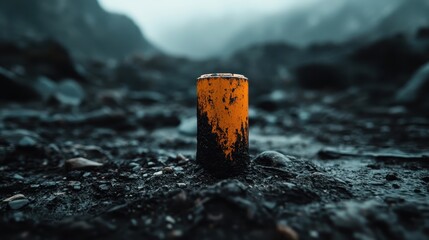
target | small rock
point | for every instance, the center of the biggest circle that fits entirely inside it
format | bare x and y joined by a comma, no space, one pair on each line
168,170
81,163
272,159
45,87
188,126
159,173
14,197
269,205
396,186
103,187
181,184
314,234
177,233
133,165
392,177
170,219
17,176
134,222
69,92
180,157
18,203
27,141
87,174
286,231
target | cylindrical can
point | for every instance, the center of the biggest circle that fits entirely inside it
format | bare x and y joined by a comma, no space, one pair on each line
223,123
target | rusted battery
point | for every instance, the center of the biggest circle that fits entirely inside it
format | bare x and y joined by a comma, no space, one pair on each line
223,123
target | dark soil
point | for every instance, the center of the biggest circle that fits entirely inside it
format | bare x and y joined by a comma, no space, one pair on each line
354,171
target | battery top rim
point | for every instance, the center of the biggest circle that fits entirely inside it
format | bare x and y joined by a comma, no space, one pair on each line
222,75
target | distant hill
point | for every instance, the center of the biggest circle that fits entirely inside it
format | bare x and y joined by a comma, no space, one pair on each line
334,21
83,26
409,16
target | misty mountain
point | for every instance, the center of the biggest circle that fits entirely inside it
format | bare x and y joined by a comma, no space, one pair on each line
334,21
406,18
81,25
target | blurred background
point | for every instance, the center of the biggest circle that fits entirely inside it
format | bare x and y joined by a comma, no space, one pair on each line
376,49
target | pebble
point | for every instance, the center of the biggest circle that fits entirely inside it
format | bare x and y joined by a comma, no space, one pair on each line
134,222
45,87
286,231
17,176
180,157
314,234
181,184
81,163
133,165
103,187
170,219
188,126
176,233
27,141
272,159
14,197
69,92
159,173
18,203
168,170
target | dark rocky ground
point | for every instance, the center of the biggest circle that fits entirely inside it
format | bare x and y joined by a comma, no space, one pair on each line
351,170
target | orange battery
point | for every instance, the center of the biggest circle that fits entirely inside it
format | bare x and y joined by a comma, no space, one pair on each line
223,123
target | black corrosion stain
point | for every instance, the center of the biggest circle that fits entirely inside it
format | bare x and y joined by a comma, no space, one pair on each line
210,154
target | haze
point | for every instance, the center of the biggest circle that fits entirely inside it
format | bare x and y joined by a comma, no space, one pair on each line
195,28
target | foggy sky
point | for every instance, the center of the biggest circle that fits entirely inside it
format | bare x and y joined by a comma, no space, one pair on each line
196,28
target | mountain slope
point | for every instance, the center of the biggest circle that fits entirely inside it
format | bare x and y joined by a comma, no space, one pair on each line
338,21
81,25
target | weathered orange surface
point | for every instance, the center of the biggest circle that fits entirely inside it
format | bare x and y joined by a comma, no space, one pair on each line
225,101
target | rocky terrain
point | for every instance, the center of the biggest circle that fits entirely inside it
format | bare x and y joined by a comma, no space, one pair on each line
82,26
105,149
